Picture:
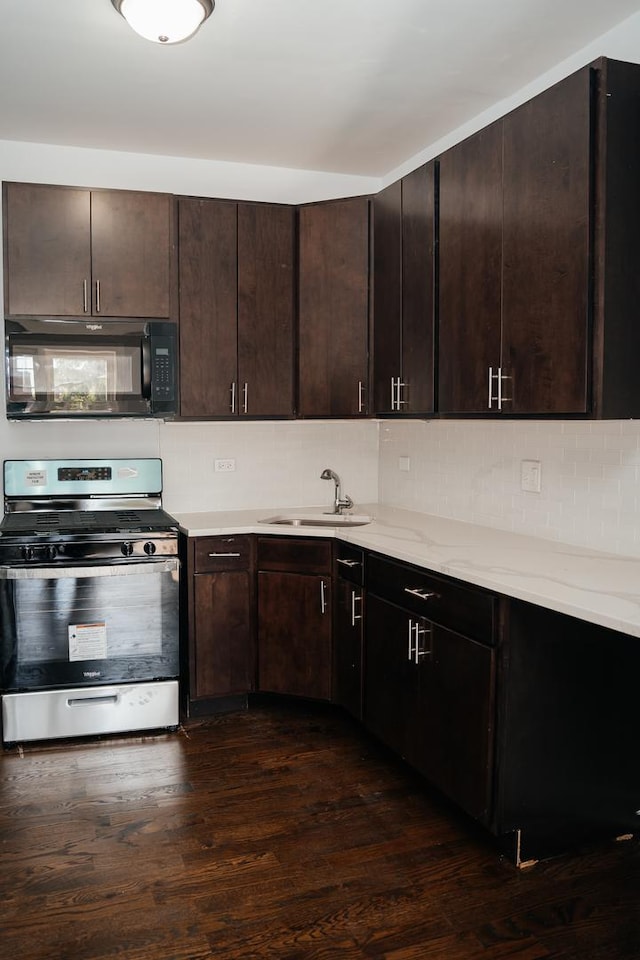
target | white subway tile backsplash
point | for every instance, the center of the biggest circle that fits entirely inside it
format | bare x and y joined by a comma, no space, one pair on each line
470,470
278,463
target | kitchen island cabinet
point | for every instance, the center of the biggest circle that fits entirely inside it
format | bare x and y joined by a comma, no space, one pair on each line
404,236
537,249
334,308
294,617
236,309
71,252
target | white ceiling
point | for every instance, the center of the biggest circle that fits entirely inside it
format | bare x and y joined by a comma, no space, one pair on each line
348,86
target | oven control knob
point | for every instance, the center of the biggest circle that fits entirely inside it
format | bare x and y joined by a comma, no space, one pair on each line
149,548
28,553
51,552
127,548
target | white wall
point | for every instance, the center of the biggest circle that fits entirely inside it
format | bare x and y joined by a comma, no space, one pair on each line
621,43
470,470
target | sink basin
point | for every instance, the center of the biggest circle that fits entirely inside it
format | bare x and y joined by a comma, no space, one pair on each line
319,520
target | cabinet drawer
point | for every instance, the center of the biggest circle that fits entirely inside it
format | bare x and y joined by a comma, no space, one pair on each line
222,553
447,602
291,553
349,563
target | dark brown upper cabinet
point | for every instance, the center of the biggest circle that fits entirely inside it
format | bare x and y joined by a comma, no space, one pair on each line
334,308
71,252
236,308
538,253
404,224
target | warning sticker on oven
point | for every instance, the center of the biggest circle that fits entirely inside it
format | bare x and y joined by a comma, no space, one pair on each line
87,641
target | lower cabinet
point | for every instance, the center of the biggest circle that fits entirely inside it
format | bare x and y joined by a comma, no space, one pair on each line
294,617
221,618
429,687
348,628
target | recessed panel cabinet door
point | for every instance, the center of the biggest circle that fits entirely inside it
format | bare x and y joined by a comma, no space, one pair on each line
546,245
387,296
470,263
131,253
334,308
266,257
208,307
47,250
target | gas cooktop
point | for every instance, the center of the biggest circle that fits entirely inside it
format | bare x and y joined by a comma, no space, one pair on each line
87,521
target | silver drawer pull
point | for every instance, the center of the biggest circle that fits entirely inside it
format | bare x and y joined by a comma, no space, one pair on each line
224,554
421,594
348,563
92,701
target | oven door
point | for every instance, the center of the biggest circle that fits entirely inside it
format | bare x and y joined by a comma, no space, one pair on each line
86,625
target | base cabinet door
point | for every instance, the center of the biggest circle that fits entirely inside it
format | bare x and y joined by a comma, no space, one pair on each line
348,643
457,711
392,684
295,616
223,647
294,634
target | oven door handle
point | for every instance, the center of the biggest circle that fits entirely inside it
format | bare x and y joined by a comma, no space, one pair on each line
126,569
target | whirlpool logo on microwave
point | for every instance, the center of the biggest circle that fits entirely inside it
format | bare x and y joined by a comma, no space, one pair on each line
91,674
93,326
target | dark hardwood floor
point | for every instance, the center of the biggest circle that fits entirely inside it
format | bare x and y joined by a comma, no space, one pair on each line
282,833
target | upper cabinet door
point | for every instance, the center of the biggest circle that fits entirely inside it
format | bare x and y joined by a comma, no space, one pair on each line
546,250
266,303
387,296
470,266
403,298
131,253
47,250
418,242
208,245
334,308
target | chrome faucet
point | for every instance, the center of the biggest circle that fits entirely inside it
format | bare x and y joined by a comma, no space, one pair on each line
339,502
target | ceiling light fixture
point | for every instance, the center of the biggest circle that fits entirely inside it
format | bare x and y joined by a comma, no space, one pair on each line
165,21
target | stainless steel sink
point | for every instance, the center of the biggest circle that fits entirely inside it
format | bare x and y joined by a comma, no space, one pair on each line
319,520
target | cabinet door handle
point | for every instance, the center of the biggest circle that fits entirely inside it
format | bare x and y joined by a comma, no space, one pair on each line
85,297
233,397
393,394
245,397
348,563
323,597
421,594
355,598
412,653
97,296
501,398
421,652
360,396
224,554
400,387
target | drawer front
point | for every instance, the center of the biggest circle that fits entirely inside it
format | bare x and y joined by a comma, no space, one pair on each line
293,553
222,553
453,605
349,563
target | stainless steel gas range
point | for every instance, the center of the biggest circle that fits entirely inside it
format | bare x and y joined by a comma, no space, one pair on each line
89,599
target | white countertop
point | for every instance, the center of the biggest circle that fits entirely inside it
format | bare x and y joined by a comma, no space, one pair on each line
599,587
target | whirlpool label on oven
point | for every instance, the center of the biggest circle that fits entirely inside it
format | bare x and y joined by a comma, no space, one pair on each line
87,641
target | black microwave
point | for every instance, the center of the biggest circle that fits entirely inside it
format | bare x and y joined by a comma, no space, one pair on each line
90,368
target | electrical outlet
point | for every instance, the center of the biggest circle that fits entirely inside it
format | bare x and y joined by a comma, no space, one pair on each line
530,475
404,464
225,466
